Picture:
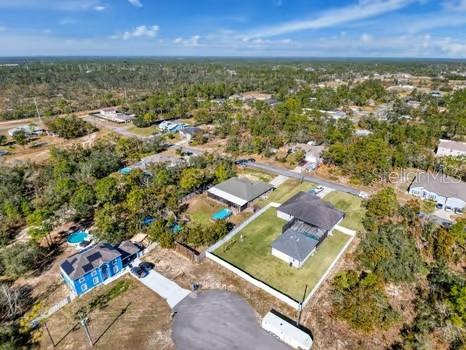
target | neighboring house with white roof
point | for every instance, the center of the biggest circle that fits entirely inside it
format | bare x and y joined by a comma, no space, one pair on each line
238,193
309,221
112,114
451,148
447,192
312,153
29,130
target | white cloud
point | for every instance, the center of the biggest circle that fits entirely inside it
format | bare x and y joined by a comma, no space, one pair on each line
193,41
135,3
435,21
99,8
455,5
452,47
138,32
67,20
365,38
362,10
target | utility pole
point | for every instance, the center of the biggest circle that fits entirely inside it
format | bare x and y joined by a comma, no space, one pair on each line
298,320
50,335
83,321
37,110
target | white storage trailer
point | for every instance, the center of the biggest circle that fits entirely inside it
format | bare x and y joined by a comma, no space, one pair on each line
286,332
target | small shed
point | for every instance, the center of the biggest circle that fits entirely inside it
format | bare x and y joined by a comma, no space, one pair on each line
286,331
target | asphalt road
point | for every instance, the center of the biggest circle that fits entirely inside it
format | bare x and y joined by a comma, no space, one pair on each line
219,320
309,178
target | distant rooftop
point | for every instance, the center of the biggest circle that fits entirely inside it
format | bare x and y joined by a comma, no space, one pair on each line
453,145
441,184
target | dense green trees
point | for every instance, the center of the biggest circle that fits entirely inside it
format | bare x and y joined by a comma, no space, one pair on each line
390,253
399,250
69,127
21,258
361,301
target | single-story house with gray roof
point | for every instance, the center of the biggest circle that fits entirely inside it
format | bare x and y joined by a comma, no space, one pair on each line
309,221
447,192
91,267
238,193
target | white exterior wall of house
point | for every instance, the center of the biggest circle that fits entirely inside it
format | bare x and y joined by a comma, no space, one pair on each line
290,260
455,204
284,216
445,151
312,159
186,135
449,204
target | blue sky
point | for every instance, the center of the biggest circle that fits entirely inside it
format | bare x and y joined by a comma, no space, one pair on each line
312,28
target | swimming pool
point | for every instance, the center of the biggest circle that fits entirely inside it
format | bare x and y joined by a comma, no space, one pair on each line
77,237
125,170
222,214
176,228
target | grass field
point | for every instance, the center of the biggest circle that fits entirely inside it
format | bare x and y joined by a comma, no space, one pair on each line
201,209
143,131
285,191
258,174
351,205
250,250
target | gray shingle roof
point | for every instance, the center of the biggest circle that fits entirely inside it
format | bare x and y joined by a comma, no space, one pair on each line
295,244
244,188
192,130
312,210
441,184
81,263
128,248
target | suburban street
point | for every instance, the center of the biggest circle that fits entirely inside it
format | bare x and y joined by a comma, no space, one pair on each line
309,178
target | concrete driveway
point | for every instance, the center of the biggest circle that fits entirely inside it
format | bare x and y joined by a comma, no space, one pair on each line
217,320
164,287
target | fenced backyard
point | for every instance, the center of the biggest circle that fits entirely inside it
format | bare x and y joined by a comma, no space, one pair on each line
246,251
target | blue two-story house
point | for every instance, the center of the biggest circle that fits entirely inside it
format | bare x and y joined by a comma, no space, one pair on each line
91,267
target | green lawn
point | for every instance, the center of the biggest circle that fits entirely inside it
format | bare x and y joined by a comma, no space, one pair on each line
143,131
201,209
250,250
260,175
351,205
285,191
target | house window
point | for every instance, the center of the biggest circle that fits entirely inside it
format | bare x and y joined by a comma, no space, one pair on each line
115,269
84,287
94,273
95,280
82,280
